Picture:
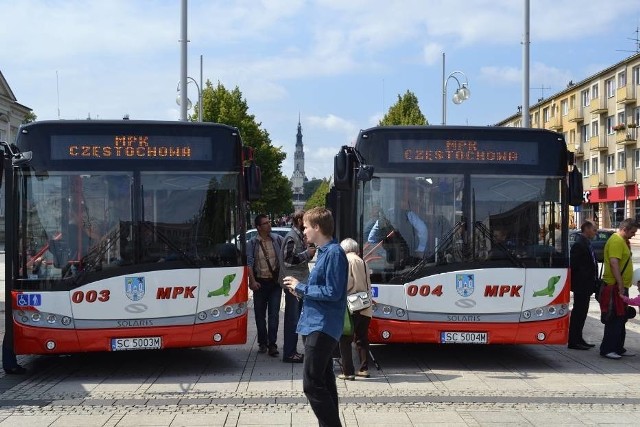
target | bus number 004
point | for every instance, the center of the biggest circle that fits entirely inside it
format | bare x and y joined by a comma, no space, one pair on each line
424,290
90,296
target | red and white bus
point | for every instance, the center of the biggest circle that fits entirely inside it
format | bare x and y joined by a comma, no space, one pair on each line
119,236
464,230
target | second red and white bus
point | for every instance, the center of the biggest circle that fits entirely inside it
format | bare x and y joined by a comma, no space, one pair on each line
464,230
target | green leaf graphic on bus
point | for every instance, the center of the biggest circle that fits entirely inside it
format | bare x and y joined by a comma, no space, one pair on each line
225,288
550,289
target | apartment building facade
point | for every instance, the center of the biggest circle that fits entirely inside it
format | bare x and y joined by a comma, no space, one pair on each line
599,118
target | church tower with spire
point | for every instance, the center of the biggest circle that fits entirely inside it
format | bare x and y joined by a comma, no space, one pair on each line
298,178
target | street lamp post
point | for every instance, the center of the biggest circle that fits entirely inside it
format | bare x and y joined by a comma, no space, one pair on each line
462,92
189,105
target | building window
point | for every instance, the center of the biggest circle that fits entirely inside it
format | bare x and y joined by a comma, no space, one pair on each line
635,75
594,91
545,114
594,128
636,116
585,168
610,164
584,95
636,158
622,79
536,117
564,106
572,102
584,131
572,136
621,117
622,160
594,166
610,124
611,90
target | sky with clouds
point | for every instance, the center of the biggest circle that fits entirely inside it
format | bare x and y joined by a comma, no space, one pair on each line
338,65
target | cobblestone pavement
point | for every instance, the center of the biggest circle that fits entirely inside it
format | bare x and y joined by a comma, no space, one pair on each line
418,385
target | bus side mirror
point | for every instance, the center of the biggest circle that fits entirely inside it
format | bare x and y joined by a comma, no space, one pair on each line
343,169
253,182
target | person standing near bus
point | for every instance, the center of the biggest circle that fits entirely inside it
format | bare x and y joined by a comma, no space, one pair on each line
324,297
584,271
264,261
618,275
295,259
358,281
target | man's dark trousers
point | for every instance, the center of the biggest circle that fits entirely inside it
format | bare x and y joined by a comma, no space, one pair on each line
267,299
318,379
292,307
579,312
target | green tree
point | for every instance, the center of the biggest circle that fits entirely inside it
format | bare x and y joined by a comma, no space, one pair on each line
404,112
220,105
310,187
31,117
319,197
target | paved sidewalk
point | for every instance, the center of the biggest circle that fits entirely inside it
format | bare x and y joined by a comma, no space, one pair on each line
419,385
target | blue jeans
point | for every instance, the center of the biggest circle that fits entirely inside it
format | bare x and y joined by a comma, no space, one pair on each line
318,379
292,308
267,299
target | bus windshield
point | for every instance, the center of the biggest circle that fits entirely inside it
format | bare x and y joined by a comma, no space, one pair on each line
420,224
76,227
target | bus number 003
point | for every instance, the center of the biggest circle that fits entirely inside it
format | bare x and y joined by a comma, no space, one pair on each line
424,290
90,296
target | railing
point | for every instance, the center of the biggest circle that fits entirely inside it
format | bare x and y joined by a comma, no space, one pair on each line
598,142
626,94
555,123
576,114
596,180
598,105
627,136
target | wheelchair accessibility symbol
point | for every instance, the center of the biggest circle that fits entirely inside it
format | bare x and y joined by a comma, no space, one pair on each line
29,300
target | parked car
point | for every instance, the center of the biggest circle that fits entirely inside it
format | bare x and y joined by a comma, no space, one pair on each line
252,232
597,243
278,230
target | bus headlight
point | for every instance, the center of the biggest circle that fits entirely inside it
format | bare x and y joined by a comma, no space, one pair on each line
66,320
539,312
202,315
215,312
229,310
51,318
526,314
386,310
36,317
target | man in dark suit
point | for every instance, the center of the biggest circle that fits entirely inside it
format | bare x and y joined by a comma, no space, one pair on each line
584,273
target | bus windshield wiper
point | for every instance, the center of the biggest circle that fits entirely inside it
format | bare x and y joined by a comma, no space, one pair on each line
478,225
190,259
438,255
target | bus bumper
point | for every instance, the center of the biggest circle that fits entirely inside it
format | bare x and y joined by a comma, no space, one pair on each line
554,331
34,340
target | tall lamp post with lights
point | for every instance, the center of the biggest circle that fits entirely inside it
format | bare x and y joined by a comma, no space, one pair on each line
189,104
462,92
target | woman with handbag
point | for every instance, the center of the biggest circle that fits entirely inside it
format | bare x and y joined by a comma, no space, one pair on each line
359,292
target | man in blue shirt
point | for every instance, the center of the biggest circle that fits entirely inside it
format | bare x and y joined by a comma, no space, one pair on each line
324,299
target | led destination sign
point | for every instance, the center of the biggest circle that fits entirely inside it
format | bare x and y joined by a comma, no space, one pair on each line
463,151
130,147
